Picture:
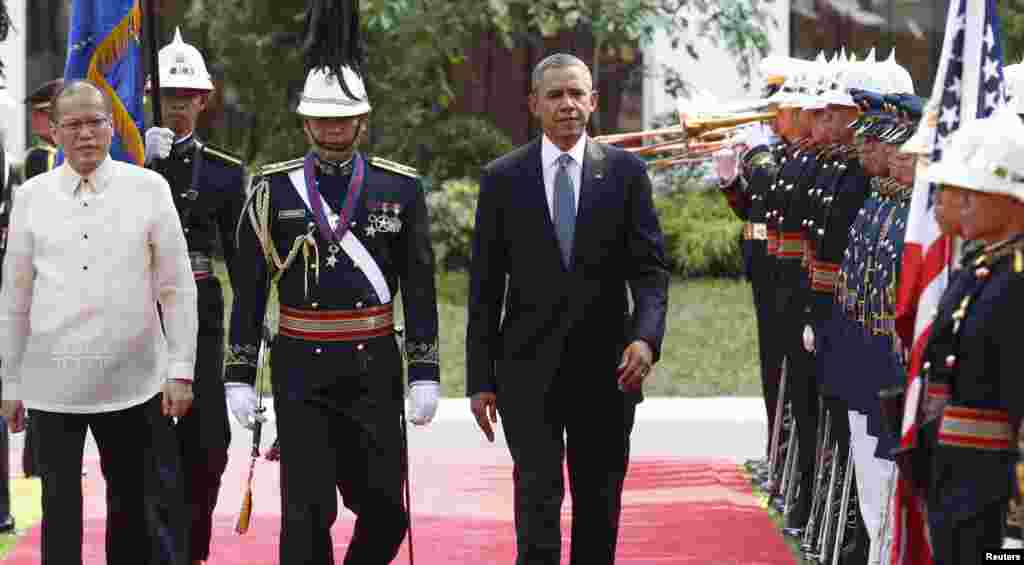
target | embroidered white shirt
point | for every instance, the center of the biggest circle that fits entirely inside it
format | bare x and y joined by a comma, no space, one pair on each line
549,154
84,271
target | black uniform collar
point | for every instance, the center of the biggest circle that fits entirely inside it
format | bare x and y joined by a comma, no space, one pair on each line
333,168
183,146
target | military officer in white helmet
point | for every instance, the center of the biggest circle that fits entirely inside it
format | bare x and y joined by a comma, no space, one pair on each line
209,191
340,235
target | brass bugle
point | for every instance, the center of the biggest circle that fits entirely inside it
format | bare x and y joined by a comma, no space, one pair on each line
620,137
692,127
675,145
696,127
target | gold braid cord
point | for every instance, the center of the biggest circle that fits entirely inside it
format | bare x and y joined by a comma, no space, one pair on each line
259,217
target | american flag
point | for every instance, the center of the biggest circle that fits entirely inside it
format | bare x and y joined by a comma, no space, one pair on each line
969,85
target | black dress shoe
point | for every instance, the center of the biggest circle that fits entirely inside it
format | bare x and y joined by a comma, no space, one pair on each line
7,525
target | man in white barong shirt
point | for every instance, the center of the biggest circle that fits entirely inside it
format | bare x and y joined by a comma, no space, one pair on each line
94,246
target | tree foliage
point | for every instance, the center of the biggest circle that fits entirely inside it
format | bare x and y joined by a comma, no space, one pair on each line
1011,12
412,48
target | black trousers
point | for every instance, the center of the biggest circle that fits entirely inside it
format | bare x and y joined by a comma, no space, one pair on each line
591,435
802,393
760,276
965,543
138,462
340,434
203,434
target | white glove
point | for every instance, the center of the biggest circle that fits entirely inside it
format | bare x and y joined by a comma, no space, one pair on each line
1013,543
758,135
242,401
423,396
727,165
158,143
809,339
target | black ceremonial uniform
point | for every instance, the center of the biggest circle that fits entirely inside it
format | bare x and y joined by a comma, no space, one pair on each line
337,368
747,197
973,362
39,159
791,286
209,192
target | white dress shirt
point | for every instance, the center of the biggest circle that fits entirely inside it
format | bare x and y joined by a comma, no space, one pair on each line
549,154
86,265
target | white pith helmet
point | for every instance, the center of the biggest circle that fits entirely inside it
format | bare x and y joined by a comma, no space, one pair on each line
182,66
323,97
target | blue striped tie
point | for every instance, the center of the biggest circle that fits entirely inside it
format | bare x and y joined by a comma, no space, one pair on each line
565,208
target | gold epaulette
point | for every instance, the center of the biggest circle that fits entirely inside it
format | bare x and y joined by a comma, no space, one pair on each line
282,167
763,159
47,148
394,167
222,155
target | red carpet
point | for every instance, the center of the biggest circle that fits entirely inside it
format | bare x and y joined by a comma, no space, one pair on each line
674,512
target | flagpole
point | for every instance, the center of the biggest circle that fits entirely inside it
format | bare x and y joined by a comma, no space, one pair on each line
154,62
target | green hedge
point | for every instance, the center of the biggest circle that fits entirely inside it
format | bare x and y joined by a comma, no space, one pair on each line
701,232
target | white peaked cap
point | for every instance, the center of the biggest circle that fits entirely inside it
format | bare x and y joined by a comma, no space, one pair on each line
182,66
985,155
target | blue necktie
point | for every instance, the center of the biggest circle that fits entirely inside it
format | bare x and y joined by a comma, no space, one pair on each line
565,208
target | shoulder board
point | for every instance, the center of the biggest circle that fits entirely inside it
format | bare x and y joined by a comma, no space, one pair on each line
394,167
46,148
763,159
222,155
282,167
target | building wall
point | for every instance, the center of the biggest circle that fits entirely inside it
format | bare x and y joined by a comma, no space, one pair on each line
913,27
714,72
494,83
806,27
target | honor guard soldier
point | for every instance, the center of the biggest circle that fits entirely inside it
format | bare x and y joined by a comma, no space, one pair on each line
970,365
209,192
745,177
339,235
42,156
792,285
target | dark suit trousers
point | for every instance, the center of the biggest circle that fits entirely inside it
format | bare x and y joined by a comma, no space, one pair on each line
591,434
5,471
128,441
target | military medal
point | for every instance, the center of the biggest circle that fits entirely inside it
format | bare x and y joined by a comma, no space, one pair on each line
332,228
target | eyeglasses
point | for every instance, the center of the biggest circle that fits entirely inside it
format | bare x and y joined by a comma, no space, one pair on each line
76,127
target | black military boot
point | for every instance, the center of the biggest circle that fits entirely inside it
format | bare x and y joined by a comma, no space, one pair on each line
796,517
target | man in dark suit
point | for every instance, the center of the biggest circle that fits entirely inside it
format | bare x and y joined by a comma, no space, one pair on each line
566,364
